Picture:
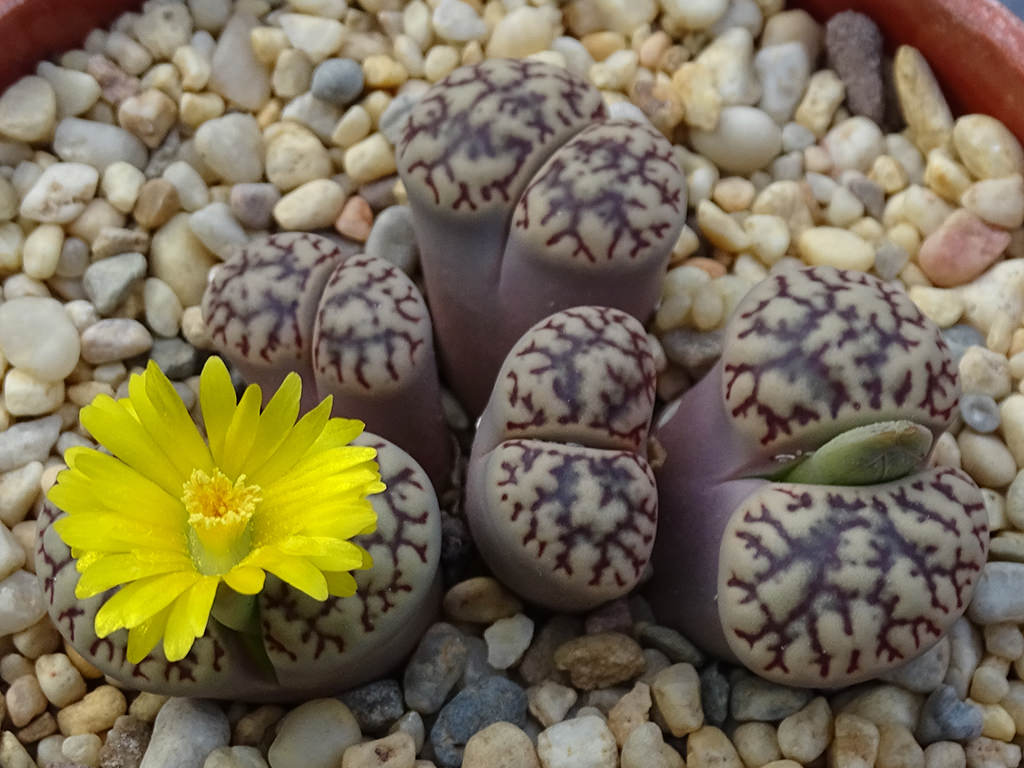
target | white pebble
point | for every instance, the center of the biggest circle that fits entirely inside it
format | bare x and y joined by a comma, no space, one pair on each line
37,336
61,192
26,395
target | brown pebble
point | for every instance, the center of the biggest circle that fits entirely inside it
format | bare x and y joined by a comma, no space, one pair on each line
481,600
149,115
112,241
89,672
854,46
538,662
116,84
252,727
600,661
95,713
40,728
158,201
355,220
711,266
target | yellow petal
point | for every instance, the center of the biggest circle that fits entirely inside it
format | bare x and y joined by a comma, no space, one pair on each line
343,555
245,580
140,600
114,427
275,422
340,432
340,583
295,445
111,570
188,618
217,401
143,638
241,432
164,416
298,572
109,532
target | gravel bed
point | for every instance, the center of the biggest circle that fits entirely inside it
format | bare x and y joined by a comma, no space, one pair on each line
131,167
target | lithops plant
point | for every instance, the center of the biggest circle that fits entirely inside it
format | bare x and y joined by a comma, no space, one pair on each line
304,647
802,531
357,327
560,498
527,200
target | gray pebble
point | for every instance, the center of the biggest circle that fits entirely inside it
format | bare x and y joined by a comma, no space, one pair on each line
890,259
164,155
613,616
796,137
28,441
114,339
871,195
788,167
74,258
671,643
319,116
959,337
538,663
980,412
435,667
177,358
714,695
493,700
755,699
853,43
185,732
252,203
375,705
926,672
945,717
97,144
337,81
999,594
477,668
379,193
109,281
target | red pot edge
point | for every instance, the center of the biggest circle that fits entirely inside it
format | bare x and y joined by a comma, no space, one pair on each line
975,68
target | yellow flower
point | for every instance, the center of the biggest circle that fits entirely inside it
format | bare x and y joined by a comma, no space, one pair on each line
170,517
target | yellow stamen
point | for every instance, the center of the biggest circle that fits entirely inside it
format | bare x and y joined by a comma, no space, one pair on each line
219,512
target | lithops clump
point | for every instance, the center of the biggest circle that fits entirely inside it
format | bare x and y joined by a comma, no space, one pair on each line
527,200
356,326
560,498
303,648
802,531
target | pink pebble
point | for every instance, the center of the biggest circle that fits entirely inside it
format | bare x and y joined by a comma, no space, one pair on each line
961,249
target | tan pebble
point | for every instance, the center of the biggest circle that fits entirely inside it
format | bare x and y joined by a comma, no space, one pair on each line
733,193
39,639
831,246
708,310
825,92
855,744
709,747
997,201
601,660
694,83
1004,640
987,147
293,72
97,216
906,236
94,713
601,45
395,751
804,735
941,306
549,702
501,745
921,100
25,700
523,32
480,600
146,706
61,683
720,228
653,47
889,174
312,205
646,748
790,201
353,126
13,754
383,72
986,459
267,43
13,666
355,220
676,691
962,248
785,763
756,743
38,729
149,115
897,748
156,204
984,752
193,66
709,266
883,703
370,159
439,62
629,712
945,176
996,723
945,754
685,246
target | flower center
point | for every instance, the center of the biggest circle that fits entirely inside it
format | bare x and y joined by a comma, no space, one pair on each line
218,519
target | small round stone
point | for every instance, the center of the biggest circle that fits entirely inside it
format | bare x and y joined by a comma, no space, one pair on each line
338,81
37,336
980,412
